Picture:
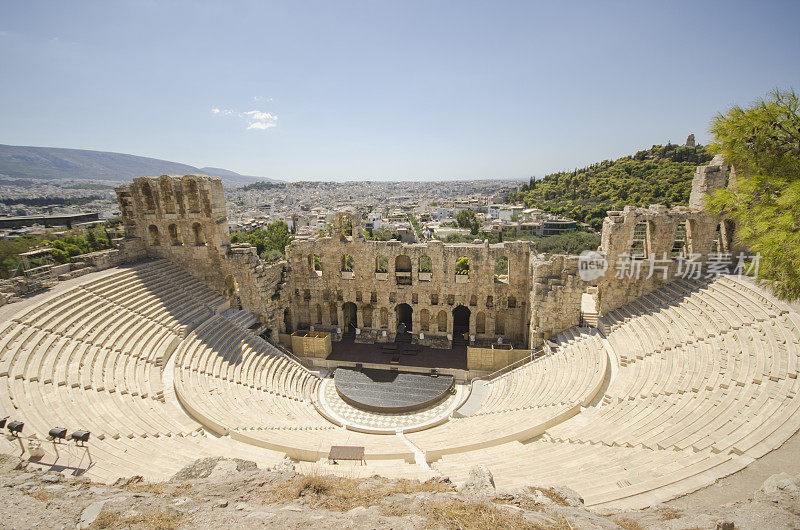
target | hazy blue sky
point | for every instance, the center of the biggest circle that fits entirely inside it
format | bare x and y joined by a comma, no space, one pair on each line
379,89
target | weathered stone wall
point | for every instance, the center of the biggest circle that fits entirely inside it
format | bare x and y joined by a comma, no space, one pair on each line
184,219
555,297
322,299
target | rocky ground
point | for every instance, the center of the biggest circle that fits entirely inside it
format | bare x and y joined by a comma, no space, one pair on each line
235,493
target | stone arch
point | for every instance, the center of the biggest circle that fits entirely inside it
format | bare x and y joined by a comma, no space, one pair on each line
384,318
287,320
500,323
199,236
404,314
155,237
174,234
149,200
367,316
441,321
192,195
349,316
381,263
424,318
402,269
480,322
231,286
461,317
333,313
167,194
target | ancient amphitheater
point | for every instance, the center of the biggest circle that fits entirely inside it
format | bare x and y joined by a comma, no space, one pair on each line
171,352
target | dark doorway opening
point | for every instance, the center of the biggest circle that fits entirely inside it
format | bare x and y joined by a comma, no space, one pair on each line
460,324
404,313
350,320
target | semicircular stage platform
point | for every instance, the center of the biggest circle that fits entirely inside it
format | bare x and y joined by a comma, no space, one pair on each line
389,390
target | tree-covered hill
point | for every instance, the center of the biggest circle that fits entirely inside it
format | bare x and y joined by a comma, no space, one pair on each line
659,175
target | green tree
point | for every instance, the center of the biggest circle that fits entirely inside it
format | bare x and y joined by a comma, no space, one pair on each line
762,142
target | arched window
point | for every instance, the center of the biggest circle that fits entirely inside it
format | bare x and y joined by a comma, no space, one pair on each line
425,264
192,196
640,244
462,266
402,269
333,314
512,302
167,195
384,318
473,300
174,236
319,314
315,265
199,237
147,193
500,323
441,321
287,320
480,322
501,269
347,263
367,312
490,301
155,238
381,264
680,248
231,286
424,317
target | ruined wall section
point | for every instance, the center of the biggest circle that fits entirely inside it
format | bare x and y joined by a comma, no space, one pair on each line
319,299
184,219
708,179
706,235
555,297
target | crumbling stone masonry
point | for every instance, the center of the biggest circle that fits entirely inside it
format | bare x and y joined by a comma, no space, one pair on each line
439,293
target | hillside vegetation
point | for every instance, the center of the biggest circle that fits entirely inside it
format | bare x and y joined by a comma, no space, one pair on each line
659,175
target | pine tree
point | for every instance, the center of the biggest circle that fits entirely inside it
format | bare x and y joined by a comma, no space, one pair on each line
762,143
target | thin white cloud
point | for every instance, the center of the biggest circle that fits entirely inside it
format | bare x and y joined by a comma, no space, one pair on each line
256,119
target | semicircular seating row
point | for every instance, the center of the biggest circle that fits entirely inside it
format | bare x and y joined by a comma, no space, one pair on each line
242,386
707,382
91,358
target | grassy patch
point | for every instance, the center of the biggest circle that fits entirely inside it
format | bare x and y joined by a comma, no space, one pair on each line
463,515
628,524
668,514
154,519
42,495
342,494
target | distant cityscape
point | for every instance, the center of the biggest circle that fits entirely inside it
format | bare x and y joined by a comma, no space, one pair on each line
406,211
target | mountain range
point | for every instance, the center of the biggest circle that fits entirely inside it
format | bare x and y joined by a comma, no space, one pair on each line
60,163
